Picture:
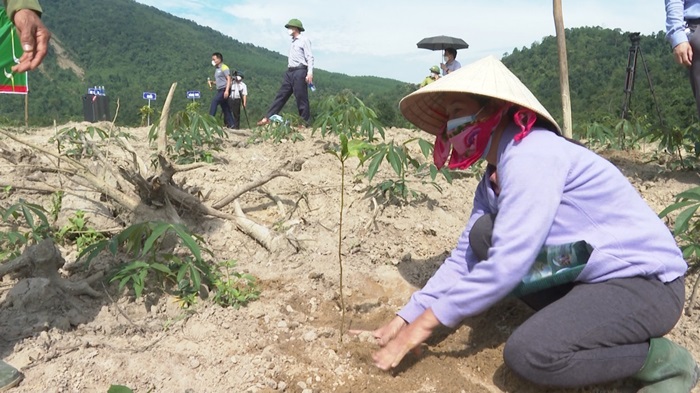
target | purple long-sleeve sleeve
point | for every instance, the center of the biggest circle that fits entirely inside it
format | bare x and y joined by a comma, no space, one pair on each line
552,192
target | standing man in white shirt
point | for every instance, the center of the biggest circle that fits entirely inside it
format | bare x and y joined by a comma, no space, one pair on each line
238,96
682,22
300,73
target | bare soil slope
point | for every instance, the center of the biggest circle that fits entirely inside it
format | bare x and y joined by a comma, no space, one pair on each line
288,340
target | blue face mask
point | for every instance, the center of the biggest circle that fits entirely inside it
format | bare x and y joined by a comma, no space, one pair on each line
455,125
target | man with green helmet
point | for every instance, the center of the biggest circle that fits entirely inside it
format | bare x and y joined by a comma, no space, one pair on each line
434,75
300,68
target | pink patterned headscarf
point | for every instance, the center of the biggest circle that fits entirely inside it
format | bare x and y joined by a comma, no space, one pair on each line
468,145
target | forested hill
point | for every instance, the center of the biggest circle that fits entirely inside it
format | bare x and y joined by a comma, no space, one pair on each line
131,48
598,61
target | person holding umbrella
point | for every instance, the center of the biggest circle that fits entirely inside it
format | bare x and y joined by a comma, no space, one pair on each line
450,64
448,45
540,191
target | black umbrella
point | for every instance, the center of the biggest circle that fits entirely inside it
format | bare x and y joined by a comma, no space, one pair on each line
441,42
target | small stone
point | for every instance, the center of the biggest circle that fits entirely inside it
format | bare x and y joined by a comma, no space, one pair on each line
271,383
310,336
281,386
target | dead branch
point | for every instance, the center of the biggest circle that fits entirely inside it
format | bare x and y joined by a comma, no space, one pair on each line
162,135
80,170
34,187
303,197
170,169
139,165
40,149
280,206
116,112
247,187
12,156
375,211
107,165
258,232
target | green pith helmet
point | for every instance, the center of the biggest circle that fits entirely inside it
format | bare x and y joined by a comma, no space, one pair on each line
435,69
295,23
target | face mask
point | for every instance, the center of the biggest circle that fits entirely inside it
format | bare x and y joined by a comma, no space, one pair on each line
213,63
445,58
290,31
469,144
463,121
238,78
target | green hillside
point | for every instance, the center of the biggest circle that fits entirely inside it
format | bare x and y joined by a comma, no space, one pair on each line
598,61
131,48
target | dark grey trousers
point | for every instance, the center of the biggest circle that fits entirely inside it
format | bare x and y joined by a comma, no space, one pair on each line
584,334
294,82
694,71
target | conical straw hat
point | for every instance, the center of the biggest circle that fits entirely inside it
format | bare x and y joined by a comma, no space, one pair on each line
486,77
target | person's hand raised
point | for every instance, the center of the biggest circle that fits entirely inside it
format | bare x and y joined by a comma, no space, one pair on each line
34,38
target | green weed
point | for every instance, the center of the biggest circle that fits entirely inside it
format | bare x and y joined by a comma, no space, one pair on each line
687,225
187,275
78,232
194,136
27,224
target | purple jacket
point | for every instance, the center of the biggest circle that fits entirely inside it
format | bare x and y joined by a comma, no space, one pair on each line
552,192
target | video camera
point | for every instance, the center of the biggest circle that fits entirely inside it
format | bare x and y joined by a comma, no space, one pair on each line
634,37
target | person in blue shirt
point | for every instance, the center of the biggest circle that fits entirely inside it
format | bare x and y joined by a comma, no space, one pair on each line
682,22
541,191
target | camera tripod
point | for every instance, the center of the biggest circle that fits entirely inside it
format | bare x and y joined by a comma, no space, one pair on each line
634,52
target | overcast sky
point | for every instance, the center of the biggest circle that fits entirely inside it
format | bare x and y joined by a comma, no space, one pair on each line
379,37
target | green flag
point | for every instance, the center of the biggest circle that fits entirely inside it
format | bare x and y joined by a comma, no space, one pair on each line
10,52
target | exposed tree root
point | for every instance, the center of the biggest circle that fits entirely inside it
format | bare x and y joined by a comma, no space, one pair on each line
153,196
43,260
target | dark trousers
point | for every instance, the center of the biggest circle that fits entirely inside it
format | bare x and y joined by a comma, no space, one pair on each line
219,100
584,334
694,70
235,104
294,82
